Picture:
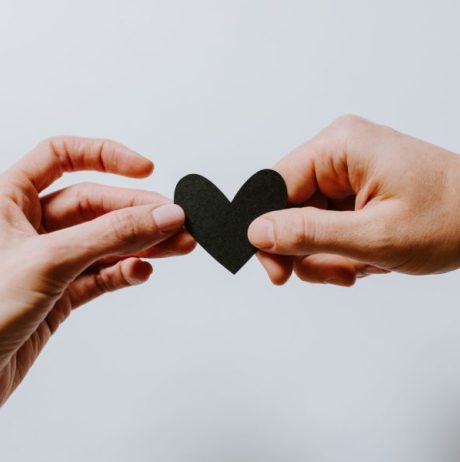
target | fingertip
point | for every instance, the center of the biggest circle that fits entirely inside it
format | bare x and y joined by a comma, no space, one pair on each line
138,271
169,217
280,280
143,167
189,244
149,167
114,157
261,233
181,243
278,268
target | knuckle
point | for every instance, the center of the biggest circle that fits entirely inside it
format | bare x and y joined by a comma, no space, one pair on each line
104,150
45,143
103,283
56,317
349,122
81,190
299,230
9,194
105,146
59,139
111,280
107,143
123,227
53,143
122,278
78,191
347,133
49,261
348,126
83,201
384,243
58,146
51,139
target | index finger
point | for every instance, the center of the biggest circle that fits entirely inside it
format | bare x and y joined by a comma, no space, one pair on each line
298,170
322,164
56,156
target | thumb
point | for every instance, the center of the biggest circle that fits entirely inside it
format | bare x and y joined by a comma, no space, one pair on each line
308,230
121,232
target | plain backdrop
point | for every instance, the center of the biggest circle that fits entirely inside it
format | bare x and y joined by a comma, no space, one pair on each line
199,365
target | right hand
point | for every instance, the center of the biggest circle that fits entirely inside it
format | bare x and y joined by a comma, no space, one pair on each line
367,200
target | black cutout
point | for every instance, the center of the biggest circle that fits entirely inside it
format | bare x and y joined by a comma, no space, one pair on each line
221,226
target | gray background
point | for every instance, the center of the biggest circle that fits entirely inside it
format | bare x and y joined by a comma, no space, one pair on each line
199,365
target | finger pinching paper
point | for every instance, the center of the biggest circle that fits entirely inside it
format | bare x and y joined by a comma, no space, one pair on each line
221,226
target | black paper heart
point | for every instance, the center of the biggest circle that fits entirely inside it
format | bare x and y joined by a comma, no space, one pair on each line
221,226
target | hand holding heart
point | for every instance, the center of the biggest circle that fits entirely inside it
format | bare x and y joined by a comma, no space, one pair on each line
221,226
62,250
366,199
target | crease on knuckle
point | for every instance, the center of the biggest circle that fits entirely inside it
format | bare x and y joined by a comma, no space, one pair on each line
123,280
106,153
111,279
383,242
124,228
84,203
101,153
103,282
300,232
72,297
58,147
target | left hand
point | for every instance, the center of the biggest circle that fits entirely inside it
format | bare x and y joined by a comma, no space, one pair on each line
62,250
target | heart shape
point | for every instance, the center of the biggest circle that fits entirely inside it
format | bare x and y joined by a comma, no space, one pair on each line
221,226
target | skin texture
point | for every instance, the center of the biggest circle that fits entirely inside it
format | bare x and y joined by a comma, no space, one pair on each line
365,200
62,250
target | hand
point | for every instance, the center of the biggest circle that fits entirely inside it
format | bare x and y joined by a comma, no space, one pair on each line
60,251
367,200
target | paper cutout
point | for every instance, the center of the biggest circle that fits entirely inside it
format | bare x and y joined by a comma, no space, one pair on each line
221,226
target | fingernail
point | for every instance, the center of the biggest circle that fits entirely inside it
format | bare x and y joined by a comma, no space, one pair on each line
142,273
261,234
168,217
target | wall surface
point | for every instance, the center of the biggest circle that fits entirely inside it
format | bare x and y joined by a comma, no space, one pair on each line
199,365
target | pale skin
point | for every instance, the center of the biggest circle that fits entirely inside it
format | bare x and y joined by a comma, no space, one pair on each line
366,200
60,251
